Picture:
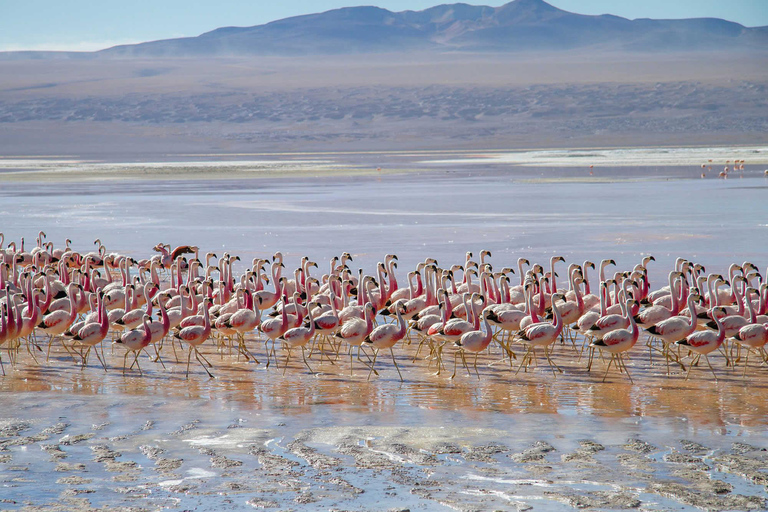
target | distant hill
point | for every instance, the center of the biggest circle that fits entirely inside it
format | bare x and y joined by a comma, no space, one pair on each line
521,25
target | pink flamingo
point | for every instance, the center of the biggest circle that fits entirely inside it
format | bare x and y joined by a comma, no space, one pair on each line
245,320
619,341
134,318
678,327
475,342
354,331
705,342
386,336
542,334
274,328
298,337
195,335
92,334
135,341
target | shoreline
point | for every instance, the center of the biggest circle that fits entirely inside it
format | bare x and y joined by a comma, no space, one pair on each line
376,163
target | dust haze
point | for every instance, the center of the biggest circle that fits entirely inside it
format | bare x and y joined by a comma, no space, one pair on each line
148,108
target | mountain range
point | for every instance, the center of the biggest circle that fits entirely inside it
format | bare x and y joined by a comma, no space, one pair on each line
520,25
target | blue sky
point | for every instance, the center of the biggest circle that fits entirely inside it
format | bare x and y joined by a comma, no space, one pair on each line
94,24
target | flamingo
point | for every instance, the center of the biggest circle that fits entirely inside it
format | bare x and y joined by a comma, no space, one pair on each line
354,332
298,337
678,327
611,322
386,336
274,328
133,318
245,320
327,323
702,343
56,323
91,334
135,341
475,342
752,337
195,335
619,341
453,329
542,334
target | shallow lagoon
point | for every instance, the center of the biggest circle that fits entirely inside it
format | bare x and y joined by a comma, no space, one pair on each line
253,438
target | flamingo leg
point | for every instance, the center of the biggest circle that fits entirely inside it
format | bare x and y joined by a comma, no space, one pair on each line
189,358
367,365
706,358
287,358
173,347
85,358
375,355
48,353
305,361
591,358
157,358
690,367
525,357
609,367
552,364
392,353
99,358
626,370
198,355
418,349
464,362
136,360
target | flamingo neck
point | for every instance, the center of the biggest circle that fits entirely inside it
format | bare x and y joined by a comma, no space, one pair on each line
554,277
392,278
751,309
520,268
504,291
587,290
692,310
558,323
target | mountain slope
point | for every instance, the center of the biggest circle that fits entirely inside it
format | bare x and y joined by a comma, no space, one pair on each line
520,25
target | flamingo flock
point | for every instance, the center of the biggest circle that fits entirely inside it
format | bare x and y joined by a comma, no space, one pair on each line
179,299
